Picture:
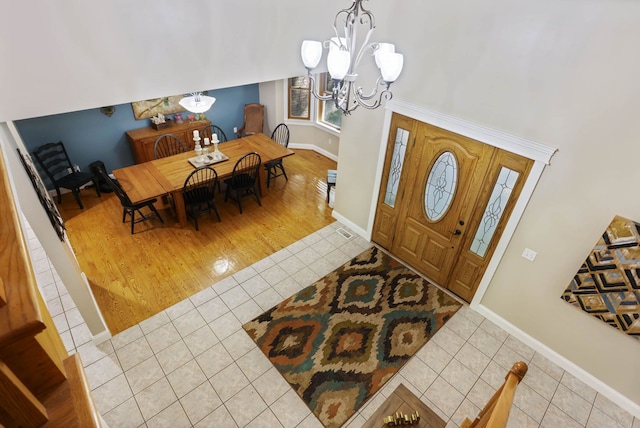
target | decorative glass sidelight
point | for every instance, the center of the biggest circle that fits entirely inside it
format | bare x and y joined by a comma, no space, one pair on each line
495,209
397,162
441,186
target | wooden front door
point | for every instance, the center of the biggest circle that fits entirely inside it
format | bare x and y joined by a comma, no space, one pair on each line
439,189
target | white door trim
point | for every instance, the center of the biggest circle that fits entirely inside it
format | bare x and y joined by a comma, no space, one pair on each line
540,153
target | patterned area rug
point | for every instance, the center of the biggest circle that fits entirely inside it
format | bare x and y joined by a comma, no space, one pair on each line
339,340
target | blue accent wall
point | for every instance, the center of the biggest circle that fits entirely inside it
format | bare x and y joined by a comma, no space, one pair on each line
89,135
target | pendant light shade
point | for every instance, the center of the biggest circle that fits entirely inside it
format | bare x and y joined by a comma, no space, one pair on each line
197,103
338,63
311,53
390,66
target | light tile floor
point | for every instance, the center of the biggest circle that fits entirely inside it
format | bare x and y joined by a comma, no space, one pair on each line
193,365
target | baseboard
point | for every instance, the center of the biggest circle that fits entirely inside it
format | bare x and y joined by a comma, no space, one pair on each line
315,148
581,374
352,226
101,337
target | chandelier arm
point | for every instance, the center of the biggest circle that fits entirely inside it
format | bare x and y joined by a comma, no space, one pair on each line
341,95
359,92
386,95
348,13
366,14
314,91
327,43
364,48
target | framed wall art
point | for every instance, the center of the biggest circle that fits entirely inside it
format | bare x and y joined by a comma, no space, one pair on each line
44,197
607,285
149,108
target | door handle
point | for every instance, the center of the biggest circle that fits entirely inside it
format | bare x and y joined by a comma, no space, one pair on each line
457,232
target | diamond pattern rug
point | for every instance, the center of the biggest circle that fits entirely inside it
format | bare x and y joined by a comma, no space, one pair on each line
339,340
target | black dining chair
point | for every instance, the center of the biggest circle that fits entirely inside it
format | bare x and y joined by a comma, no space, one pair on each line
128,207
56,164
168,145
209,130
199,193
244,179
281,136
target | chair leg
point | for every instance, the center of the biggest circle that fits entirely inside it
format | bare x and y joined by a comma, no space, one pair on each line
133,219
257,194
268,177
59,195
239,198
96,183
284,172
76,195
215,210
153,208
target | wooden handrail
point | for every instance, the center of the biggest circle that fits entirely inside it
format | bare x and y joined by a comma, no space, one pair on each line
495,413
40,385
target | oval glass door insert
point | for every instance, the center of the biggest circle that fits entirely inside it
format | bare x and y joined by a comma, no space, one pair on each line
441,186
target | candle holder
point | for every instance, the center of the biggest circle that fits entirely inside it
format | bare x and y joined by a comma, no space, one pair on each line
198,147
215,142
205,149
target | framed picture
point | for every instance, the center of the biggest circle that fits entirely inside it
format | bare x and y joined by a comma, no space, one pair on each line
44,197
606,285
149,108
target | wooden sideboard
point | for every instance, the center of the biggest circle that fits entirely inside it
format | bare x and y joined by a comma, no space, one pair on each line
142,140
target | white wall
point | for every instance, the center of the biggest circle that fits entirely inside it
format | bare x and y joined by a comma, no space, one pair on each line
559,72
73,55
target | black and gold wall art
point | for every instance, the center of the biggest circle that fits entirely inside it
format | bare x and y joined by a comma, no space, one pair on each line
607,285
43,195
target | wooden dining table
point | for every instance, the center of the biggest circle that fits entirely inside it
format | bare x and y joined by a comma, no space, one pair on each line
166,176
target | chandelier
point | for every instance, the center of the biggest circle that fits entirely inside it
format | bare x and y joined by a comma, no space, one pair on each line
197,103
343,60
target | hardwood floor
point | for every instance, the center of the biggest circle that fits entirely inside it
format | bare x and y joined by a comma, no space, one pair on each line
136,276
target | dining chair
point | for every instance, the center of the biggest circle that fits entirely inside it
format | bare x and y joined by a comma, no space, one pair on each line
244,179
199,192
209,130
128,207
281,136
168,145
253,120
56,164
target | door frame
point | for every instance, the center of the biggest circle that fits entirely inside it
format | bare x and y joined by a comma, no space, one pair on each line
539,153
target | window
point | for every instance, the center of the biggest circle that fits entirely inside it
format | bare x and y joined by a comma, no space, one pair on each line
299,98
327,111
302,105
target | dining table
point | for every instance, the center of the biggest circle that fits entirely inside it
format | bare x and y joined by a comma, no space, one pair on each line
166,176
